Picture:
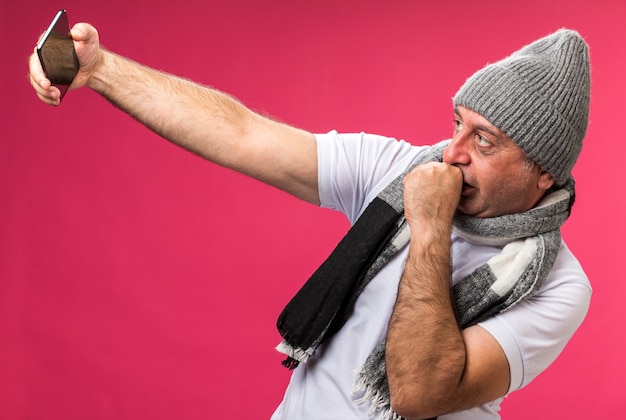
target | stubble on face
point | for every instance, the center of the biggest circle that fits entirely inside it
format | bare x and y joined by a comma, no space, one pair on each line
498,177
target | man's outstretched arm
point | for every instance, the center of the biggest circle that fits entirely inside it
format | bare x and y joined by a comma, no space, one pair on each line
198,118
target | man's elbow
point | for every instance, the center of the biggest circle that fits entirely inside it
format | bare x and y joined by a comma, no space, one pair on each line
413,404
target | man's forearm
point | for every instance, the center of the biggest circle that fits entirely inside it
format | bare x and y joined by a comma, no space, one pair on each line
425,350
211,124
179,110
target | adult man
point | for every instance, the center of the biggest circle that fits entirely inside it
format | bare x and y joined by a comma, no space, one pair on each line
454,281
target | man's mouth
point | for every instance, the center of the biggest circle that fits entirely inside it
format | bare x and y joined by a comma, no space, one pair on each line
467,188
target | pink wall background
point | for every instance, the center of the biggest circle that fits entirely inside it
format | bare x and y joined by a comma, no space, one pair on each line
138,281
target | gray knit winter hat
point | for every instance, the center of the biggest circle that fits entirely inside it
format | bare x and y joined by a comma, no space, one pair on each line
539,97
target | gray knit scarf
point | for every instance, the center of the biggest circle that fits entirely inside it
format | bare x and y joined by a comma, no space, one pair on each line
323,304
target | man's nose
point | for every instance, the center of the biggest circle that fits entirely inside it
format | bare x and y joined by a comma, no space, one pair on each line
456,153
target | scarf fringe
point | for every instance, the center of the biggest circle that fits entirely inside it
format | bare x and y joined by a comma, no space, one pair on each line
295,356
377,400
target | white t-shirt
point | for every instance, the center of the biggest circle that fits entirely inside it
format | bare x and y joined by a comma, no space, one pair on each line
353,169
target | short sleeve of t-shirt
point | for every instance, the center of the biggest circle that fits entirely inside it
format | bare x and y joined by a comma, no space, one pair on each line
354,168
534,332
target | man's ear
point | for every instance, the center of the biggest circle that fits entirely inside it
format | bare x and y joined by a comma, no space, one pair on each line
545,181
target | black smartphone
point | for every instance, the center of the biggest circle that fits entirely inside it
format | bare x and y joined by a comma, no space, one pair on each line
57,54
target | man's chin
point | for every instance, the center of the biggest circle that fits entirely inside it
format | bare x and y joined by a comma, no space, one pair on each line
466,209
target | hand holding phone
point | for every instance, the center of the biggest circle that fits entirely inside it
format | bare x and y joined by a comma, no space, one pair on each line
57,54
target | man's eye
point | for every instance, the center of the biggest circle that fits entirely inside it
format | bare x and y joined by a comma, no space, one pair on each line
483,141
458,125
